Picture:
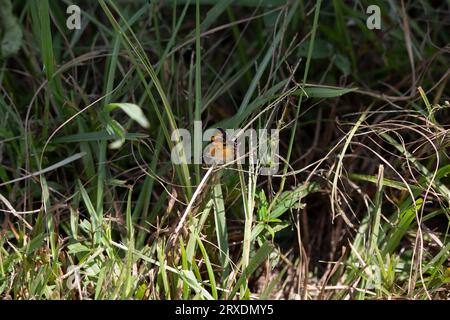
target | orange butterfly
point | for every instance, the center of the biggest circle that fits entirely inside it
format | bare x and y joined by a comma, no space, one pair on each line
221,150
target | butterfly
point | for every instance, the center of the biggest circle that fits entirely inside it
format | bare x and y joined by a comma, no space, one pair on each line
221,149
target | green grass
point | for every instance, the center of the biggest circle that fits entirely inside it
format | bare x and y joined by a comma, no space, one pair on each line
91,206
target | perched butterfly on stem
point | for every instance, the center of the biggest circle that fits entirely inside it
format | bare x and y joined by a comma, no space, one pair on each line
221,150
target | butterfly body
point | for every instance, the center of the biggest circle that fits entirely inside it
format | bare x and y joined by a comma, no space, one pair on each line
221,150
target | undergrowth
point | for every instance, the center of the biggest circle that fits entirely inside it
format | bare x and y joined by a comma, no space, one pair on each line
92,207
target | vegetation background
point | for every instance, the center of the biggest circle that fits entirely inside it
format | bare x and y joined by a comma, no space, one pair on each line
91,207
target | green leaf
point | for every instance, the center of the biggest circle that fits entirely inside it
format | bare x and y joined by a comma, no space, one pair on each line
214,13
115,128
292,199
55,166
259,257
96,219
35,243
263,205
133,111
257,230
209,267
405,221
191,280
221,228
98,136
324,91
76,248
399,185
